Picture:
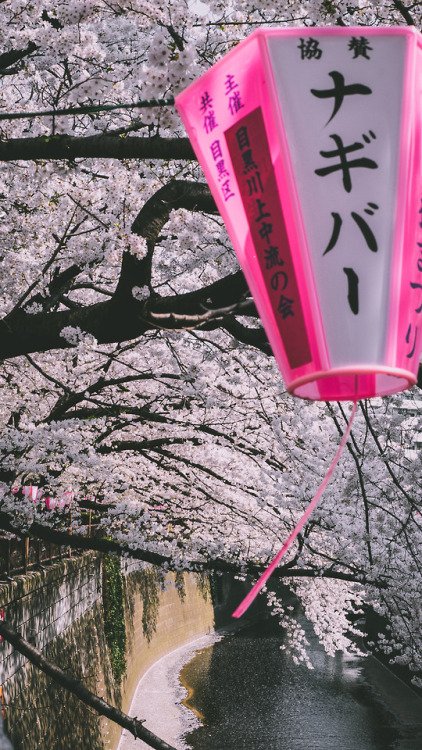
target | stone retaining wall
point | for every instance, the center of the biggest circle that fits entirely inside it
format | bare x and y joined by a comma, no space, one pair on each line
60,611
43,604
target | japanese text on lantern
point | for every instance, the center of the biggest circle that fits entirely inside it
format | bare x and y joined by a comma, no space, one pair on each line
310,48
344,159
234,103
412,330
250,155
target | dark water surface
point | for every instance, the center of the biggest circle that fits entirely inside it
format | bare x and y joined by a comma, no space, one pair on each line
249,695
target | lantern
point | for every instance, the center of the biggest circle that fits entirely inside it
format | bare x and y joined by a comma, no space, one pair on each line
310,140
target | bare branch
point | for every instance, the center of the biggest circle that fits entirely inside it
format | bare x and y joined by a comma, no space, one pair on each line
196,321
36,657
15,55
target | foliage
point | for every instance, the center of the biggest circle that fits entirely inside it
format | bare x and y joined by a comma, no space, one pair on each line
180,585
151,581
216,589
114,614
203,584
115,385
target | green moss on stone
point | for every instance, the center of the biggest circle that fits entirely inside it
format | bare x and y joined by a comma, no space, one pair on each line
114,614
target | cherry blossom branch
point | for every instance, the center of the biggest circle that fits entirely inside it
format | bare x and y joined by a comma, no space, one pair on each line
61,241
156,446
148,224
354,453
77,541
381,451
64,403
111,321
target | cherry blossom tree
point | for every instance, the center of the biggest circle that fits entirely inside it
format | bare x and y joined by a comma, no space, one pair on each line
134,366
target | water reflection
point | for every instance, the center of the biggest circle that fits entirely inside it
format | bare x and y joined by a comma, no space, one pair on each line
251,696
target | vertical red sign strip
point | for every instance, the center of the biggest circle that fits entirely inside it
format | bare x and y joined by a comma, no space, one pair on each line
250,154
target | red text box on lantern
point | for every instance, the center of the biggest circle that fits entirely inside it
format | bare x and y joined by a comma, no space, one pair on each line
250,154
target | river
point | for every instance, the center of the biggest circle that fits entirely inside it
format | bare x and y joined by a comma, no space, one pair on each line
243,693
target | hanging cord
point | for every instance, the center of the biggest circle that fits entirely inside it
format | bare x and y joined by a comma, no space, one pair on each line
249,598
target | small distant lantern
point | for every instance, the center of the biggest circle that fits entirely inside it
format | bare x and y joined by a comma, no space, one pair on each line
310,140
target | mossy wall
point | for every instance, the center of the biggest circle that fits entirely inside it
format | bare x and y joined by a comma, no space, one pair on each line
161,615
60,610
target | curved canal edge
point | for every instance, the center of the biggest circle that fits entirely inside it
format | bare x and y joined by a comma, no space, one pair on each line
201,696
159,697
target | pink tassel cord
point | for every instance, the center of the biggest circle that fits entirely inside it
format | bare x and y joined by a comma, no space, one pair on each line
245,604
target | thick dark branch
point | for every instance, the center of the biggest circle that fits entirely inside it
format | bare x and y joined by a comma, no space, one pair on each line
93,505
404,11
154,214
123,318
194,196
95,147
111,321
57,536
419,381
36,657
251,336
15,55
24,334
76,541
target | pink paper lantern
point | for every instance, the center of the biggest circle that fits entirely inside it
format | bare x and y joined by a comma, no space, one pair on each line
310,140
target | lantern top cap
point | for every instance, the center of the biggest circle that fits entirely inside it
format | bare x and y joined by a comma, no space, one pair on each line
334,31
337,30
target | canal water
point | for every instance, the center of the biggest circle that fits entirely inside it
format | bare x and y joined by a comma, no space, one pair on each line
241,692
247,694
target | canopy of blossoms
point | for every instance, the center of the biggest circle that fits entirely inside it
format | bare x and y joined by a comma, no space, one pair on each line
134,366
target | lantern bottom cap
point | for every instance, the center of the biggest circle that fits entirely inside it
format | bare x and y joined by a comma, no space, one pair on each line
352,383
